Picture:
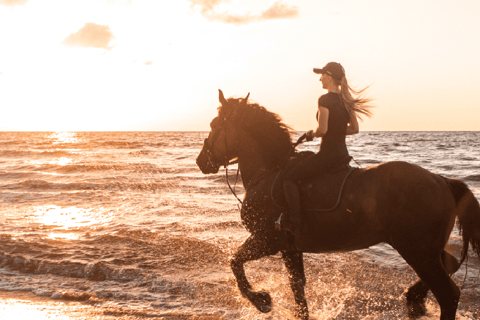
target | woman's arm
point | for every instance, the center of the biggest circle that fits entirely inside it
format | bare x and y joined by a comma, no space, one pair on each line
353,127
322,123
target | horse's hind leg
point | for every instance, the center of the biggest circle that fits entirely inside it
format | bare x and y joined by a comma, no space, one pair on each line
417,293
294,263
252,249
429,267
450,262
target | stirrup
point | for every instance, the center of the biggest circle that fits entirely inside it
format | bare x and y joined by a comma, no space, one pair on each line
288,225
278,223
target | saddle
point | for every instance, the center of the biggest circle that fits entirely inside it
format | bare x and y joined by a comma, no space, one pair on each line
323,193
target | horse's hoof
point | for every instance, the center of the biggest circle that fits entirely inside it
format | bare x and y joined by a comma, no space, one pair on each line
264,308
416,310
262,301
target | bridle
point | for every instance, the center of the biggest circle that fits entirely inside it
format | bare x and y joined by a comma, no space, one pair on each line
211,156
209,153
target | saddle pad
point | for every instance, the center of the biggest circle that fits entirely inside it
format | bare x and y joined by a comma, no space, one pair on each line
324,193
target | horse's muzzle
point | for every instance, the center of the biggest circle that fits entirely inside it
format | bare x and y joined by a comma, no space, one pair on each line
206,162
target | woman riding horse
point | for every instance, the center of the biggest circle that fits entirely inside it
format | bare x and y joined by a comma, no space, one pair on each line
337,117
398,203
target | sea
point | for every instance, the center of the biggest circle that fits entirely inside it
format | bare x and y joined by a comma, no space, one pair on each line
127,223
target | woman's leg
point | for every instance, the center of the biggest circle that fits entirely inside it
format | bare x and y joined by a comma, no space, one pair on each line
292,218
309,168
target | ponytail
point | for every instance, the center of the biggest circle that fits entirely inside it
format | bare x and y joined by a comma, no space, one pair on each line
354,100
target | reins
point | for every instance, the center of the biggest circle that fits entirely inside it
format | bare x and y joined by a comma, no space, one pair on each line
294,145
234,186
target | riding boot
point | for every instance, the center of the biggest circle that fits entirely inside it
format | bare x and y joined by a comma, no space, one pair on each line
293,217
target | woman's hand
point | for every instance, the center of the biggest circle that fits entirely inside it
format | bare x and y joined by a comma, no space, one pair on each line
309,135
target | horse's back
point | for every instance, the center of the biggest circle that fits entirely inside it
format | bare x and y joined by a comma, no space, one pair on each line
406,185
407,199
382,203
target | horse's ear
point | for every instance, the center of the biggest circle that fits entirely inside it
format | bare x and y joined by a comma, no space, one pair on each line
244,101
222,99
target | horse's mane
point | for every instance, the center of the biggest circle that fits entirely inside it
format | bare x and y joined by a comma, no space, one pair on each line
265,127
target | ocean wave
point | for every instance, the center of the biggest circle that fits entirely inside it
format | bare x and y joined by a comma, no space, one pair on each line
467,158
141,152
126,145
82,168
18,175
92,271
447,167
422,140
474,177
40,184
122,145
445,147
369,161
34,154
109,257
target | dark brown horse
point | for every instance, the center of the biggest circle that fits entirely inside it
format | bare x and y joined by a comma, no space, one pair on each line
397,203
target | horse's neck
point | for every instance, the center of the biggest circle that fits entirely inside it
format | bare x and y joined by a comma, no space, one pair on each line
251,163
251,173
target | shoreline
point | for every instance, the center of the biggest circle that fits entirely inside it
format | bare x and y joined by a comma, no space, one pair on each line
15,305
27,305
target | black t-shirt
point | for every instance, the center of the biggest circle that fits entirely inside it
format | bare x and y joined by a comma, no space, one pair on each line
333,142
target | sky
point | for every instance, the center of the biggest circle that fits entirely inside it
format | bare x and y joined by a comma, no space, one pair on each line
157,65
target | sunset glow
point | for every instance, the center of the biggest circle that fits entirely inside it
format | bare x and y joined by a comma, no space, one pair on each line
63,161
156,65
62,220
64,137
62,217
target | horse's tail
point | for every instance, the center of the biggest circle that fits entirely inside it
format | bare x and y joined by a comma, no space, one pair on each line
468,213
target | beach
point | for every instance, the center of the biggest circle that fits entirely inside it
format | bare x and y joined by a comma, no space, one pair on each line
338,284
104,225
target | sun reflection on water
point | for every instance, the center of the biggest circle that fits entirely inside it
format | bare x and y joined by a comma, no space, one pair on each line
64,137
63,161
63,236
64,221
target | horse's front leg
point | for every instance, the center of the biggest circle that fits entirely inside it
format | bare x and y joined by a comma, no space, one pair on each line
253,248
296,274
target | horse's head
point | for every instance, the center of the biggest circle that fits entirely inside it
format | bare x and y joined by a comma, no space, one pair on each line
220,146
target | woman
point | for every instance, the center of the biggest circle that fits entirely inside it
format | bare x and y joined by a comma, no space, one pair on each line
337,115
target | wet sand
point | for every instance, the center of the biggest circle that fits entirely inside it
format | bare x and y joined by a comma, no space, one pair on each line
26,305
339,286
23,305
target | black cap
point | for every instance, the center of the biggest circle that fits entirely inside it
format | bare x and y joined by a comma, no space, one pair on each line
333,69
